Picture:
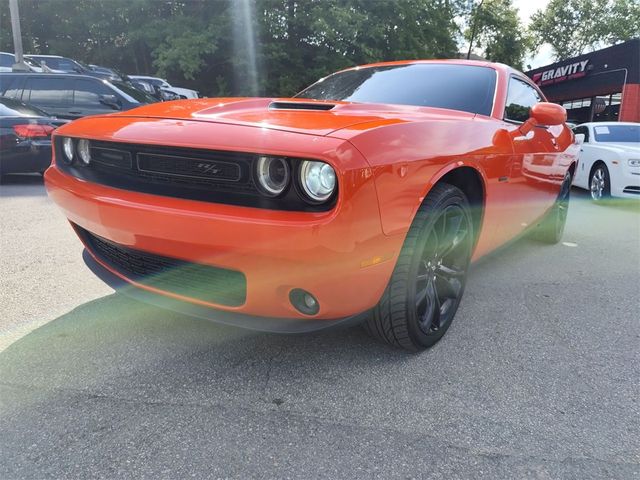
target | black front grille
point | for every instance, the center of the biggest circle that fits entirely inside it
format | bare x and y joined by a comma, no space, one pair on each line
195,174
193,280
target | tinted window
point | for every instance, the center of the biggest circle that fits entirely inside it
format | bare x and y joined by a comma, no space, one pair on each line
11,86
520,99
49,91
6,60
50,62
617,133
584,131
133,94
458,87
87,92
14,108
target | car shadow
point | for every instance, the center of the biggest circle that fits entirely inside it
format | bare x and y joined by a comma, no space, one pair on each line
117,340
22,185
629,204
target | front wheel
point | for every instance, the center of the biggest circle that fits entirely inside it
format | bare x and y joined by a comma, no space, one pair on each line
427,284
599,183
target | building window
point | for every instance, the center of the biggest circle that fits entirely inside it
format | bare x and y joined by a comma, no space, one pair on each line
607,108
578,110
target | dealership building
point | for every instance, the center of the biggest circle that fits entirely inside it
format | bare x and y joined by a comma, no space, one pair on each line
599,86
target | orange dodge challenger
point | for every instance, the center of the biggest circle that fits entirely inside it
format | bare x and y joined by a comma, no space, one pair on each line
361,199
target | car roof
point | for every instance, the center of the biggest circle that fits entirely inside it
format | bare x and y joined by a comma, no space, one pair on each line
451,61
593,124
53,75
43,56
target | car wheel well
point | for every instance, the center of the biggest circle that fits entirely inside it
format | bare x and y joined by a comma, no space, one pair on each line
470,182
572,169
595,164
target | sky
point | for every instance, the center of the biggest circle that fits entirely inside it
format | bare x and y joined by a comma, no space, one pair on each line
526,8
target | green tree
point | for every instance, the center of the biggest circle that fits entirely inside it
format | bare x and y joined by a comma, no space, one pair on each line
494,27
574,26
239,47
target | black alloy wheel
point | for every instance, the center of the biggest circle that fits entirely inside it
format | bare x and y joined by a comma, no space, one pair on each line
427,284
551,228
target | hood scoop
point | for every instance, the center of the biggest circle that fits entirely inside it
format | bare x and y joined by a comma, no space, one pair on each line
317,106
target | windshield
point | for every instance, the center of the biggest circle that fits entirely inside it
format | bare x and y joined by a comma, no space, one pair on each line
14,108
134,95
458,87
617,133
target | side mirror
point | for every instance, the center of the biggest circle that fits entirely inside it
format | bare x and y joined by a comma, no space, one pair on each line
545,113
110,101
579,138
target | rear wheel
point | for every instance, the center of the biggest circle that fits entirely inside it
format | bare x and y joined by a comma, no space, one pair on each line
551,228
427,284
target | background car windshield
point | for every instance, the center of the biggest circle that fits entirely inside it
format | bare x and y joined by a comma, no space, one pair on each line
617,133
458,87
14,108
133,94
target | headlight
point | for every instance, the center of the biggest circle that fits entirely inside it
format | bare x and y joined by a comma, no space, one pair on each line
318,180
83,151
273,175
67,149
634,162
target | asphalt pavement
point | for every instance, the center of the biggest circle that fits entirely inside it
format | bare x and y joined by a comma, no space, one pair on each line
538,377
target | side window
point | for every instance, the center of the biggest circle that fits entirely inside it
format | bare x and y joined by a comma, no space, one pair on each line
520,98
66,65
49,91
87,92
50,62
6,60
583,130
11,86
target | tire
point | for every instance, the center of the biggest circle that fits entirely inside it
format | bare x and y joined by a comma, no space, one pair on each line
599,182
551,228
427,284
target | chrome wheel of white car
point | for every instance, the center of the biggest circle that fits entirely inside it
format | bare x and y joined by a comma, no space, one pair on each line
599,183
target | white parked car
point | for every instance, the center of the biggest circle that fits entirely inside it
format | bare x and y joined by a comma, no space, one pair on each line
609,163
164,85
8,59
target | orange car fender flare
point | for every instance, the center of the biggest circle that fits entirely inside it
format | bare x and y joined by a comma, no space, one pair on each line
446,169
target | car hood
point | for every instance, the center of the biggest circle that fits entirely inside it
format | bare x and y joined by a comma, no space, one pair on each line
291,114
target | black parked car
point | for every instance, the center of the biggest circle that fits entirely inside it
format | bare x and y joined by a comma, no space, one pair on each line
71,96
25,137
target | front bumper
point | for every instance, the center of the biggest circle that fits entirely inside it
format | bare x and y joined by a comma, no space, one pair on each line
236,319
342,256
625,182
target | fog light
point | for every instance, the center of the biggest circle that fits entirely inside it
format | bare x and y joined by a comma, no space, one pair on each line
304,302
83,151
67,149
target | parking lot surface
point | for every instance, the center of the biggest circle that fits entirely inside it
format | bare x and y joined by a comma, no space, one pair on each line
536,378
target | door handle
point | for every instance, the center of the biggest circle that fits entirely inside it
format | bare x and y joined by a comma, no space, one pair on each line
75,113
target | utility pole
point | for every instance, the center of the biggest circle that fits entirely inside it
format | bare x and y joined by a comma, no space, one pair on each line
17,37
